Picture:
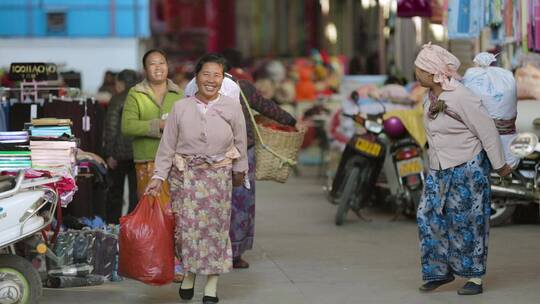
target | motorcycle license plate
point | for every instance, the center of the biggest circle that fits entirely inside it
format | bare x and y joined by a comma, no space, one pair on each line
410,167
368,147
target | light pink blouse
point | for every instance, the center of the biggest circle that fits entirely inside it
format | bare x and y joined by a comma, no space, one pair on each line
189,131
451,142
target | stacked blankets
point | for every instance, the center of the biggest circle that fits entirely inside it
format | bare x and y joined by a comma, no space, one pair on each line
53,145
14,151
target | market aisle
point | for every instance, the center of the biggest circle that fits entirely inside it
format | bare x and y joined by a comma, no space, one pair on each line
301,257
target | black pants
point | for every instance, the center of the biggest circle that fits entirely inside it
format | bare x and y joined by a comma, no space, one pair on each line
115,195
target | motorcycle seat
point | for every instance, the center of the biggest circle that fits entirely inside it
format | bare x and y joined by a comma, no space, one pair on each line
402,143
7,183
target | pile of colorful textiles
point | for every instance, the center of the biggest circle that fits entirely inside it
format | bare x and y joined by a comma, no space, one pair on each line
50,128
14,151
53,145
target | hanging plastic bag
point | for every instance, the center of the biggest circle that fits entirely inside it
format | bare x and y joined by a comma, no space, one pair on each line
147,243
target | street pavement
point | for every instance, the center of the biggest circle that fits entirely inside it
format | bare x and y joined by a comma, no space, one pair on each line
300,256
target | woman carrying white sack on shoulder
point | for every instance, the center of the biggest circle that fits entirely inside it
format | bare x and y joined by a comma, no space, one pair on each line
497,89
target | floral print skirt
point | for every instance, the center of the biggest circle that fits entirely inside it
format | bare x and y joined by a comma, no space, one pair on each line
453,220
201,202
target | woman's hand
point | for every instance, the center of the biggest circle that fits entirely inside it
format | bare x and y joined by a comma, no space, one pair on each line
154,187
505,170
238,179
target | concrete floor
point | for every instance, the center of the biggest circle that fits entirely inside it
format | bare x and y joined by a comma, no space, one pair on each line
301,257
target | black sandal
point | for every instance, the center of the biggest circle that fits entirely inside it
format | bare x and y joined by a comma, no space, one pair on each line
187,294
432,285
210,300
470,289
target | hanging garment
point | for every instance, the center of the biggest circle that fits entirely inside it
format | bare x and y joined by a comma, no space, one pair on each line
438,11
509,24
465,18
3,120
90,140
536,23
414,8
20,114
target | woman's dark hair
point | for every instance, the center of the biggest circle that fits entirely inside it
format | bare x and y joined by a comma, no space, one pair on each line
212,57
150,52
128,77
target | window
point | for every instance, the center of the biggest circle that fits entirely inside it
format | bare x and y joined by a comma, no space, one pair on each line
56,22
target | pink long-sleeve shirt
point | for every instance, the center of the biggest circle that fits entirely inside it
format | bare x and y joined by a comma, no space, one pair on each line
451,142
190,131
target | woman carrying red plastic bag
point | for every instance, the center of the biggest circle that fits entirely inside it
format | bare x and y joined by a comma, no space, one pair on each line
147,243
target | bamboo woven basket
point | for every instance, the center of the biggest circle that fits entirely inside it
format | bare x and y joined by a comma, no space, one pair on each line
275,151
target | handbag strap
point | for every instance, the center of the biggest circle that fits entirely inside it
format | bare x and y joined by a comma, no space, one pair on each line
283,160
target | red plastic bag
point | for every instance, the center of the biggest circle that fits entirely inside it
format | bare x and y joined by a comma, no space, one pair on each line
147,243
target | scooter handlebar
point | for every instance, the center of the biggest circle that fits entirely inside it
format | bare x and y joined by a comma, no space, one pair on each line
18,182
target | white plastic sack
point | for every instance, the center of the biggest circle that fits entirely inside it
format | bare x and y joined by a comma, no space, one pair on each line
497,89
496,86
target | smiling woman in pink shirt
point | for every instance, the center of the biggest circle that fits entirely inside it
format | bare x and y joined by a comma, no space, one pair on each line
203,154
453,215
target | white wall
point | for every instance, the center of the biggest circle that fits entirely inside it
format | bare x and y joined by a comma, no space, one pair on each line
90,57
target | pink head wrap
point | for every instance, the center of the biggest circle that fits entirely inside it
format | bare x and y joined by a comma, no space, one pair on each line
441,63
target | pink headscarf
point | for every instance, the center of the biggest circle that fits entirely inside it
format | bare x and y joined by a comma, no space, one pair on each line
441,63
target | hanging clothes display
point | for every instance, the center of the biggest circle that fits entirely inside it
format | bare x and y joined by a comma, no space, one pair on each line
465,18
535,21
509,16
438,11
90,134
414,8
20,113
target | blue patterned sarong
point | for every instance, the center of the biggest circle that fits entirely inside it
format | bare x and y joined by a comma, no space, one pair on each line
453,220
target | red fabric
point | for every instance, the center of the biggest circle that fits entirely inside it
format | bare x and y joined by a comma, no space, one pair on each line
147,243
334,125
61,187
240,74
414,8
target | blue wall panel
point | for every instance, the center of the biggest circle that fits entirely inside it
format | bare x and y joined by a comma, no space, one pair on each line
84,18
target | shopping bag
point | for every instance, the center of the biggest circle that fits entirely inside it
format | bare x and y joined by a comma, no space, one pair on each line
147,243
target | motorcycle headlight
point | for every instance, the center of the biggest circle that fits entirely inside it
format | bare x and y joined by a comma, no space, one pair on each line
373,126
524,144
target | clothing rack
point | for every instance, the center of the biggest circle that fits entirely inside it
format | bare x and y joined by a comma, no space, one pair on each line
29,89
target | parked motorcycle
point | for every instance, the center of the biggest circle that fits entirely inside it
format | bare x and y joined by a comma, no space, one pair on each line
26,208
362,161
523,186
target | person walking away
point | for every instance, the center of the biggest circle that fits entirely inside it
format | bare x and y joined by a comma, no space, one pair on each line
118,150
453,216
203,152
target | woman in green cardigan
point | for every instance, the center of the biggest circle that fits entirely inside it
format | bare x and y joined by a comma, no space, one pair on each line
145,112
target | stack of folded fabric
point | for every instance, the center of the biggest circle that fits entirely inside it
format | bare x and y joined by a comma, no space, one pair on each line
50,128
14,151
52,144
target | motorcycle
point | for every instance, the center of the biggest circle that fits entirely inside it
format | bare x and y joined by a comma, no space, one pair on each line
523,186
363,159
26,208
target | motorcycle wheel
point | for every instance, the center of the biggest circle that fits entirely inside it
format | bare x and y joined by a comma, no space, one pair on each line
500,212
415,197
346,196
19,280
